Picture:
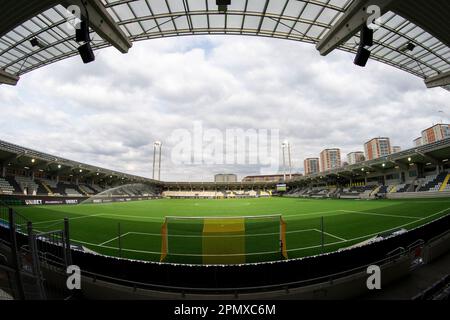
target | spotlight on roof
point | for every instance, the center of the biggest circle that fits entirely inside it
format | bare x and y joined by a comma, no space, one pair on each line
223,5
366,40
86,53
33,160
362,56
59,166
81,170
36,42
409,159
383,165
366,37
409,46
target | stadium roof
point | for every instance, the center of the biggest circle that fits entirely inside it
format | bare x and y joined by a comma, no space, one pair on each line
329,24
21,157
434,153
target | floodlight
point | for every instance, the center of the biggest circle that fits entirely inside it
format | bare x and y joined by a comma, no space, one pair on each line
86,53
223,5
362,56
409,46
36,42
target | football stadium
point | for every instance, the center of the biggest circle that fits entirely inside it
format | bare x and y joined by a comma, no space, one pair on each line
280,235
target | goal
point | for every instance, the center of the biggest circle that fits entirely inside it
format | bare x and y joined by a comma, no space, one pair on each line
223,240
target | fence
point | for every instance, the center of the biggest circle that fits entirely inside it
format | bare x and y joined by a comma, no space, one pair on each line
27,254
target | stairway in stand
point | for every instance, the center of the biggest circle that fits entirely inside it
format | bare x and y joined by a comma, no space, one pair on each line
445,183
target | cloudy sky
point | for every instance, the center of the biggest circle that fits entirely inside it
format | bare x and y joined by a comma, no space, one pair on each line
110,112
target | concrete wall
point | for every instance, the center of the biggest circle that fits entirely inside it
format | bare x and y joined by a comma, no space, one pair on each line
418,195
342,288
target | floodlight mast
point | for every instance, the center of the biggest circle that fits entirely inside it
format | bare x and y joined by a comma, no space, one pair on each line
157,145
154,158
159,164
286,145
289,159
283,147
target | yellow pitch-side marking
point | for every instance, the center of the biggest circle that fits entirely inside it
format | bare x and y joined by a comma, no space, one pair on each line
219,249
223,225
444,184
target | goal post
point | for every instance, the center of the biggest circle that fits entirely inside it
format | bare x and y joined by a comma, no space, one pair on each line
223,240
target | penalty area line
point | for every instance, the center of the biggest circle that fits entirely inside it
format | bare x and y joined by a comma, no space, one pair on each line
115,238
380,214
331,235
289,250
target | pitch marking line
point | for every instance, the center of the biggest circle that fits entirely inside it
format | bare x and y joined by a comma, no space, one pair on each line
76,218
115,238
373,234
289,250
216,236
380,214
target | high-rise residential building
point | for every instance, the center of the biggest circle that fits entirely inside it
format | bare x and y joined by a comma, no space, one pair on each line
311,166
377,148
418,142
396,149
436,133
355,157
225,177
330,159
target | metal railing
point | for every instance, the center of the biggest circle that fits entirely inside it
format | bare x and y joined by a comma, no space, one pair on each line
329,278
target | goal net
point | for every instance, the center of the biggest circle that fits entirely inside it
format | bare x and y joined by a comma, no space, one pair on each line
223,240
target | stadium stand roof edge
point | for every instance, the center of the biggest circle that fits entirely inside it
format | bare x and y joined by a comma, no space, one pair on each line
118,23
432,152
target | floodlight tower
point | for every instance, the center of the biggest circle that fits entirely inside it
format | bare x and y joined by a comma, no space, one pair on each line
157,146
286,145
289,159
283,148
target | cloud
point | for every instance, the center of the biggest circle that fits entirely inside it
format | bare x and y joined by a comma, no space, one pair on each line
110,112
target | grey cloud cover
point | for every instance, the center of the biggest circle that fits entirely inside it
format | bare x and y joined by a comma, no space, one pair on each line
108,113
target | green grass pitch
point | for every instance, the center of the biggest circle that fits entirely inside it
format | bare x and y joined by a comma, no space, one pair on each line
346,222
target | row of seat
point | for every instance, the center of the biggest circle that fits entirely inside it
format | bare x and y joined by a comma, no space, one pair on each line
27,185
5,187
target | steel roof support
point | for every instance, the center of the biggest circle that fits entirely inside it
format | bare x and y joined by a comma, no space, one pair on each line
102,23
350,23
8,78
439,80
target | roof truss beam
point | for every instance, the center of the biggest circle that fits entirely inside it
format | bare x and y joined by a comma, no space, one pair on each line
350,23
439,80
102,23
19,11
8,78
